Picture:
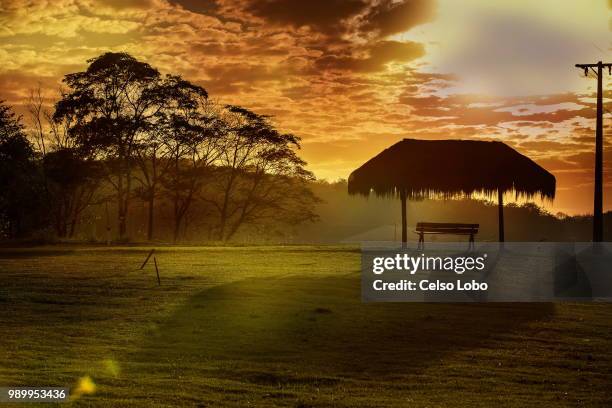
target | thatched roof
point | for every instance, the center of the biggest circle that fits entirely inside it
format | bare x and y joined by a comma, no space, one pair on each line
451,168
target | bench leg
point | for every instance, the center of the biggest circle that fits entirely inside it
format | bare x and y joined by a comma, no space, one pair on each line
421,241
471,245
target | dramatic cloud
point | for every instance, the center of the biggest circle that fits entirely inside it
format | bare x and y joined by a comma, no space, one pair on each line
127,4
323,15
377,56
349,76
391,17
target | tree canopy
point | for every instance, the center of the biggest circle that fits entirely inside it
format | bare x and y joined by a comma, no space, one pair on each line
122,133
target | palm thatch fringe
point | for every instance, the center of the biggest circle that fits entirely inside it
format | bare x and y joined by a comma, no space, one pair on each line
450,169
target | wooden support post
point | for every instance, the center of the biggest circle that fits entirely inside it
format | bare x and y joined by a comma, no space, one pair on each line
147,260
156,271
404,222
598,69
500,203
598,196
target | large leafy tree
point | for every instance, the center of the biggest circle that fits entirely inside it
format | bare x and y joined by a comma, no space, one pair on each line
260,180
71,176
112,104
21,186
191,142
71,181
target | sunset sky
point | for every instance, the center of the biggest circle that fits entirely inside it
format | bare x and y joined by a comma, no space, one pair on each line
352,77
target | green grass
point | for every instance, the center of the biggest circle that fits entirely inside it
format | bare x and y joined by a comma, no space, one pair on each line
280,326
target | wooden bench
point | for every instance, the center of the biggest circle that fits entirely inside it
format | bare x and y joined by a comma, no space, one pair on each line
423,228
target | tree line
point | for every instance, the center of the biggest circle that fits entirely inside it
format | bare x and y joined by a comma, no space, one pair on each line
121,133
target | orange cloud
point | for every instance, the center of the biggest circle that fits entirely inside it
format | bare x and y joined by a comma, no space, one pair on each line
349,76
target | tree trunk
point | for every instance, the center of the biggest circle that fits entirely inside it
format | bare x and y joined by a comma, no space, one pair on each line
500,203
225,207
73,224
221,233
404,222
120,216
177,219
152,198
177,228
123,207
17,233
122,224
151,217
123,192
177,231
126,198
60,222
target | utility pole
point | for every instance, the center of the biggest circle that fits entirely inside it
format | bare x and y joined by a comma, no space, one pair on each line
598,69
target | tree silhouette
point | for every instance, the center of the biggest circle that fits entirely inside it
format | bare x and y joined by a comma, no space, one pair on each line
259,175
191,141
72,180
121,131
21,183
114,102
70,176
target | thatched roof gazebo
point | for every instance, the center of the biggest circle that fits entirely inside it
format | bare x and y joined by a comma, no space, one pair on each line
451,168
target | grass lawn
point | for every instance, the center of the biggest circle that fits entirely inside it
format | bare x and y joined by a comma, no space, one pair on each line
280,326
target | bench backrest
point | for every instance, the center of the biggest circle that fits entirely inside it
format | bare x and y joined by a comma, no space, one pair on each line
447,227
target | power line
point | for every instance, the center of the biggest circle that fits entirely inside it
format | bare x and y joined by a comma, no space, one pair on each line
596,47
